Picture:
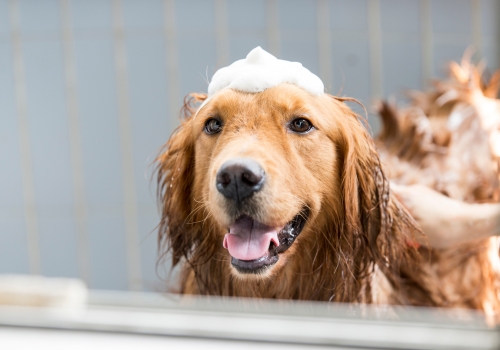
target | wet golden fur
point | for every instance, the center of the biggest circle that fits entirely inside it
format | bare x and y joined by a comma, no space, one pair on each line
446,140
356,244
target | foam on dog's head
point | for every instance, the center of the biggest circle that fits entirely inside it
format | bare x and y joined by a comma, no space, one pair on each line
259,71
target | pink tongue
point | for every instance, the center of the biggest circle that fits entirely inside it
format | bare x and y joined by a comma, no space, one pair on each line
249,240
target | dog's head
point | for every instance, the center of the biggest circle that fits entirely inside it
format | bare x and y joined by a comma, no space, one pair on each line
255,176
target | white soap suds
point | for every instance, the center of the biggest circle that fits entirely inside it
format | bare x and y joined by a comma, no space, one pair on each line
259,71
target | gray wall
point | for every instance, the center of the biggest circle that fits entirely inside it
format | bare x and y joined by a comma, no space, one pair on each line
90,89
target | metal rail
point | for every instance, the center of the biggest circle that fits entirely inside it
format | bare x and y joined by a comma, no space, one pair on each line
320,324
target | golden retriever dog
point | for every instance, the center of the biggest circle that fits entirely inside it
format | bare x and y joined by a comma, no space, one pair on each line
281,194
449,139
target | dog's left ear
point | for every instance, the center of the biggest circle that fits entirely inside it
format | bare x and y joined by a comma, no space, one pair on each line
369,210
376,231
175,172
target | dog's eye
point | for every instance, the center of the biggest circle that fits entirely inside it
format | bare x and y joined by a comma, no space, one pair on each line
300,125
213,126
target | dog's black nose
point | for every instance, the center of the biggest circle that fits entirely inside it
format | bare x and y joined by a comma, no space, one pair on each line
239,178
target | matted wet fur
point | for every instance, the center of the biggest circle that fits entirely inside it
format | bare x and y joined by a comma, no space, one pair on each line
356,245
448,139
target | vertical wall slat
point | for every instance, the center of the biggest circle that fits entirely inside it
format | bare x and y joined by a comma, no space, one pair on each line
126,148
477,37
324,44
172,60
273,28
426,35
75,141
30,210
221,33
375,40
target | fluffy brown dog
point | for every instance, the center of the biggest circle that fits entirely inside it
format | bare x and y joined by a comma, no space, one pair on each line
280,194
449,139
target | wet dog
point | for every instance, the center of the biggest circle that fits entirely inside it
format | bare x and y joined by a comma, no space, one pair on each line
280,194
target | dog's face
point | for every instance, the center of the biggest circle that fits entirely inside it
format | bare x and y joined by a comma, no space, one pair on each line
281,185
265,165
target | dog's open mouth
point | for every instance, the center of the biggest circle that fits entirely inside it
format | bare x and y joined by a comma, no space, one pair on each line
254,246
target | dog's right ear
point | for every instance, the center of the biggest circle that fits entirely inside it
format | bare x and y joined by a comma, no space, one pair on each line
174,173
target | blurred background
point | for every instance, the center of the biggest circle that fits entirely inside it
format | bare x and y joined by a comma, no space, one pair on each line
91,89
